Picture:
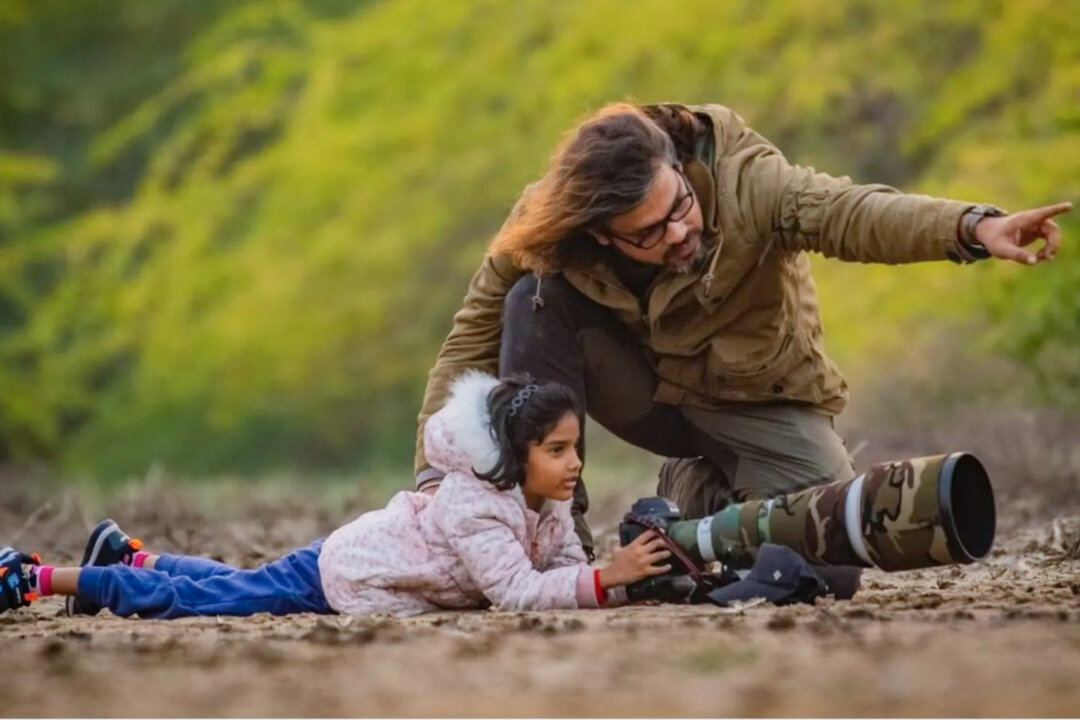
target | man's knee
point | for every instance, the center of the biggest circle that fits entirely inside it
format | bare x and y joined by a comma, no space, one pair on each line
520,296
532,294
696,485
538,333
779,449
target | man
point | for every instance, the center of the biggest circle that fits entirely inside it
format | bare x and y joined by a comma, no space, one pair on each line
659,269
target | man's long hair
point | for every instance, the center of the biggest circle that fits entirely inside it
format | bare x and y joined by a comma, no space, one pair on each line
602,168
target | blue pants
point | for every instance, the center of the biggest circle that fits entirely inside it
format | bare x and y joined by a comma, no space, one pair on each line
181,586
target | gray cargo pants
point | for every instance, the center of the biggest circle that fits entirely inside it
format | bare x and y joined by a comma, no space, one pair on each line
736,452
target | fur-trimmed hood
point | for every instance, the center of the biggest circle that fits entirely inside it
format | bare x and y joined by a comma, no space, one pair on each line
459,436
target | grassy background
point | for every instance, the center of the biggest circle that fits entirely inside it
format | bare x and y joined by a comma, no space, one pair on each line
233,234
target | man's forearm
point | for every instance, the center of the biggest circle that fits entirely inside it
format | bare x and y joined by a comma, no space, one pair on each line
869,223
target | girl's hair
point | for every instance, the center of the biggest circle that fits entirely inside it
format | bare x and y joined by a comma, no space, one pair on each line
523,411
602,168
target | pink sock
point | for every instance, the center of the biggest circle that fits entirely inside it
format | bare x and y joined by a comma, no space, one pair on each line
139,559
44,580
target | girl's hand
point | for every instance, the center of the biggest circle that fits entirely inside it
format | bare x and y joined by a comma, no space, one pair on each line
636,561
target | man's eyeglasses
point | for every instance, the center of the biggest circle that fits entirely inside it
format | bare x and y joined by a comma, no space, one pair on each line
648,237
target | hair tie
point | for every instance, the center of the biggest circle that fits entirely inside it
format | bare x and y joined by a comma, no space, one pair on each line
521,397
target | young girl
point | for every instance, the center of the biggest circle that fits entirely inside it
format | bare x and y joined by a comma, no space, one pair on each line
497,532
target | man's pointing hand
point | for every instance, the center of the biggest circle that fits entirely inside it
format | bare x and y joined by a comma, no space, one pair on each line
1006,237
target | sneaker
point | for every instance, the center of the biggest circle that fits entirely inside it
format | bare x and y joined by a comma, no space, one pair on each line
16,587
107,545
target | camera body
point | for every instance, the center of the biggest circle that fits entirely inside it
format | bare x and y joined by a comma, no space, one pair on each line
674,586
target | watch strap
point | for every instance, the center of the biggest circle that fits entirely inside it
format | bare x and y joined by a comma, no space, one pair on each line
969,248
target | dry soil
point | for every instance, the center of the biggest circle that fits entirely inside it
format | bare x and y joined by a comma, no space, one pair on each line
1001,637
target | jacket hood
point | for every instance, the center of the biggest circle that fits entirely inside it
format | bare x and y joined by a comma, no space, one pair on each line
459,437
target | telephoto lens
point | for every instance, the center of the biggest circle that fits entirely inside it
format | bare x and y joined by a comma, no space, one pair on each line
902,515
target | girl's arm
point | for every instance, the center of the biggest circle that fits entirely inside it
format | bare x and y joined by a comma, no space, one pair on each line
569,551
505,574
498,564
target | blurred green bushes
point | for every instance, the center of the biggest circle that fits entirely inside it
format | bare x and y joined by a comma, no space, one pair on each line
233,234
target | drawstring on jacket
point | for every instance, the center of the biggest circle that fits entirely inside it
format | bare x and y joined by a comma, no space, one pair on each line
537,301
708,277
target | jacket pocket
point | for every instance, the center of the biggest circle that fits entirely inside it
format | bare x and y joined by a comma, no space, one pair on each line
757,374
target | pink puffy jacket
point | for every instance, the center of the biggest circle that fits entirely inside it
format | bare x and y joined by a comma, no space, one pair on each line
469,545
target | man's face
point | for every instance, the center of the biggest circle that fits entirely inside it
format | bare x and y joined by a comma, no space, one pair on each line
664,229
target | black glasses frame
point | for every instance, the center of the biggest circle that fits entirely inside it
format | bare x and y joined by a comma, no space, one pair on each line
640,239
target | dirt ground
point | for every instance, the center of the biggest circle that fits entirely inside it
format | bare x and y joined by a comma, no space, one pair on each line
998,638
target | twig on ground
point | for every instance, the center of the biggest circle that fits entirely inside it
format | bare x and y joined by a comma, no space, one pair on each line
74,505
56,525
67,506
1074,551
250,545
170,535
740,607
30,521
1057,535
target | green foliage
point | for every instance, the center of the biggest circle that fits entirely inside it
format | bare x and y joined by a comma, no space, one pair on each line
232,235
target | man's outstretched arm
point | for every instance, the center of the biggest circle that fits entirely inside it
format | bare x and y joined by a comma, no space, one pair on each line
802,209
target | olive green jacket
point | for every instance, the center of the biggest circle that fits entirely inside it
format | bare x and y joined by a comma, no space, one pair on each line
746,327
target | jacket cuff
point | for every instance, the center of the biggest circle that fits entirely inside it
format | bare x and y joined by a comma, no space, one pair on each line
588,590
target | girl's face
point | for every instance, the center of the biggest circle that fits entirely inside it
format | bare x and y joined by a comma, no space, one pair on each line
553,465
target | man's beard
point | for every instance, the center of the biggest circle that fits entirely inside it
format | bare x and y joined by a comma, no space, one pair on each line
692,263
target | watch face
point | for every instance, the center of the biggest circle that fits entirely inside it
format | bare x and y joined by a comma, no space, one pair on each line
987,211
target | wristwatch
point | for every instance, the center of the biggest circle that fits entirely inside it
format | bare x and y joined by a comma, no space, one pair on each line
968,221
